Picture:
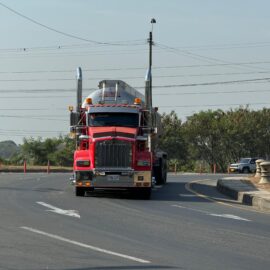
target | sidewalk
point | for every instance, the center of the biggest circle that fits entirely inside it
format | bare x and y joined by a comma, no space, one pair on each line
247,191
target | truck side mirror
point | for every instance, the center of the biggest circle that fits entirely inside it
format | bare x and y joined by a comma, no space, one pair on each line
84,137
74,118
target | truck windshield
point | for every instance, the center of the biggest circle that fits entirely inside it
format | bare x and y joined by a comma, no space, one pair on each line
113,119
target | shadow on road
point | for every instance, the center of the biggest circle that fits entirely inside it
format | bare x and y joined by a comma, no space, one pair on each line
212,191
172,191
127,267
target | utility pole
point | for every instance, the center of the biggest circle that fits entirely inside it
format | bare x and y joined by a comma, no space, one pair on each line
148,88
150,41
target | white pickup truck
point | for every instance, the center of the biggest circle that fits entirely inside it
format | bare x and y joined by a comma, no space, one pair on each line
245,165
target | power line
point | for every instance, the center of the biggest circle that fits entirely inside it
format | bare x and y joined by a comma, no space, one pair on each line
165,106
31,109
212,83
21,135
139,68
256,80
141,77
226,46
87,45
74,54
34,97
199,57
32,131
33,118
36,80
16,135
211,105
212,92
154,94
69,47
25,51
189,54
165,76
40,90
55,30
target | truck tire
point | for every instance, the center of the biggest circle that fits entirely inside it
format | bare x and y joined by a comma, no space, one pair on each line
79,191
160,172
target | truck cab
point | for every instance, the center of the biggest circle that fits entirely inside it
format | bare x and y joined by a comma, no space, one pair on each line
114,146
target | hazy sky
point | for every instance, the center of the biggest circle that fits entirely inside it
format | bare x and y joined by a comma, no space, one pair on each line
208,54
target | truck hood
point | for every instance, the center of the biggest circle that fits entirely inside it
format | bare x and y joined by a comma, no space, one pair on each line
98,132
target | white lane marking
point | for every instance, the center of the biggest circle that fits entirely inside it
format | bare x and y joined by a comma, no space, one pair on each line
54,236
229,216
187,195
192,209
212,214
71,213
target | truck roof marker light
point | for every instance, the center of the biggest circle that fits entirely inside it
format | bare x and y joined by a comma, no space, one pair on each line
137,101
70,108
88,101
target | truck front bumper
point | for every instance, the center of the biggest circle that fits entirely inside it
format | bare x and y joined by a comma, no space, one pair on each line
116,179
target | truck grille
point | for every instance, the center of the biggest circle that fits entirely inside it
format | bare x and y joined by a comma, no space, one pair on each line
113,154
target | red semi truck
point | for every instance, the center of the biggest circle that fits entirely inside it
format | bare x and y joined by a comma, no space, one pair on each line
116,131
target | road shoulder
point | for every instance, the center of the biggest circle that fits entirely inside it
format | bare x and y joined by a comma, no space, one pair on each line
245,191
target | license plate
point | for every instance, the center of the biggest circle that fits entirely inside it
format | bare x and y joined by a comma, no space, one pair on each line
113,177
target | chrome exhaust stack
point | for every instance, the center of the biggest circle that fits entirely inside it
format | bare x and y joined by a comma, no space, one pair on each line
103,92
148,90
79,89
148,105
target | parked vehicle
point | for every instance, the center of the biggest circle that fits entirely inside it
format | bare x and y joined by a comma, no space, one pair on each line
245,165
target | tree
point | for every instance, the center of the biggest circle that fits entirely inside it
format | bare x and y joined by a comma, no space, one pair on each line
205,134
59,151
172,140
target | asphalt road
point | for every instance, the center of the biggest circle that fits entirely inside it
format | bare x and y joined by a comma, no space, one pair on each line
44,226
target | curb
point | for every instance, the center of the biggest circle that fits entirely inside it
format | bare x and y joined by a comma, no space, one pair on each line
245,192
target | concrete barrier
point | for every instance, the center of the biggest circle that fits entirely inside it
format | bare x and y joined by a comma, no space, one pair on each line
258,167
265,172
